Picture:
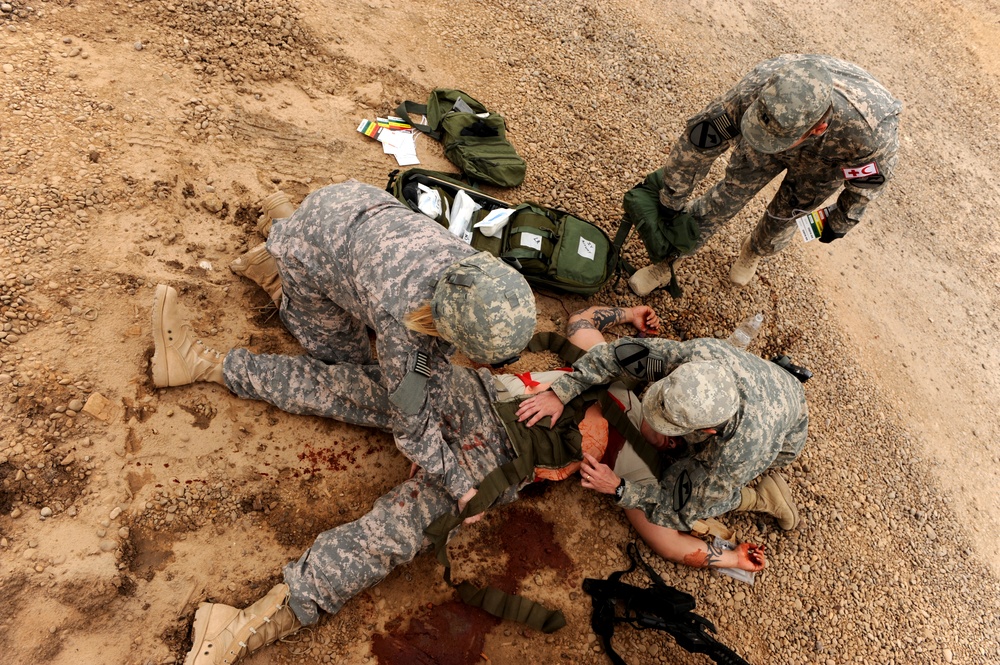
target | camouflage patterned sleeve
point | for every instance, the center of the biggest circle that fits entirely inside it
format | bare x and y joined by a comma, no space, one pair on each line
601,365
417,432
689,490
857,194
707,136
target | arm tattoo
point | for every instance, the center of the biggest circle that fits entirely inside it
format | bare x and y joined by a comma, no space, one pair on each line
714,554
607,317
578,325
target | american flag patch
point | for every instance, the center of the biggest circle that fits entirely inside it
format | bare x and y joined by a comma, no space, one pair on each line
421,365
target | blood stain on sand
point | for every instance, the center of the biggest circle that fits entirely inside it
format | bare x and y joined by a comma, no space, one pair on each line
454,633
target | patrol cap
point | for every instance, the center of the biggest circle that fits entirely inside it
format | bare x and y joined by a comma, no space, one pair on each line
793,100
485,308
696,395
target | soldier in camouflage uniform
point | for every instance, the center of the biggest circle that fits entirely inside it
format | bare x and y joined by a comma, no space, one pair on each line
352,259
347,559
826,122
740,414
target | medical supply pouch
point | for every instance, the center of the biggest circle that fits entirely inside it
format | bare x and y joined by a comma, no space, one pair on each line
474,139
552,248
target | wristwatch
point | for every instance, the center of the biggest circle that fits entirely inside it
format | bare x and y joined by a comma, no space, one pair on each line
620,490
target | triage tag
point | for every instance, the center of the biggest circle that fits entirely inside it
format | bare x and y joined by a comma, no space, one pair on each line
370,129
587,249
811,225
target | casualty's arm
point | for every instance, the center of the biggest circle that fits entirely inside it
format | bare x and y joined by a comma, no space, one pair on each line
684,548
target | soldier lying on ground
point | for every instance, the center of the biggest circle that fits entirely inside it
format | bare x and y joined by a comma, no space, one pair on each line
352,557
350,260
738,414
826,121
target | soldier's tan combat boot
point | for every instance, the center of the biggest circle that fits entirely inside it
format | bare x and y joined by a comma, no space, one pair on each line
260,267
223,634
650,278
771,496
179,358
275,206
745,266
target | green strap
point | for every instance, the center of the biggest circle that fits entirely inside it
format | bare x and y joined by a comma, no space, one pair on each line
567,351
406,108
618,419
522,253
673,288
624,228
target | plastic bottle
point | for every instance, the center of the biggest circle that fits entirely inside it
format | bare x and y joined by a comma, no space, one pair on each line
746,331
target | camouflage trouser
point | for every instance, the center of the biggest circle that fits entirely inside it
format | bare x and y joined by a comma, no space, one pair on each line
307,386
805,186
324,329
348,559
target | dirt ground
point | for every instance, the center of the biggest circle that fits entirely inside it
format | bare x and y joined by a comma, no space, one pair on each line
136,140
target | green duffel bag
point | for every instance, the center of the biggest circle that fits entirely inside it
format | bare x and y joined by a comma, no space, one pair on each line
666,234
474,139
552,248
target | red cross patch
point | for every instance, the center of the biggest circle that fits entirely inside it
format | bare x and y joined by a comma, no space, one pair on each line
863,171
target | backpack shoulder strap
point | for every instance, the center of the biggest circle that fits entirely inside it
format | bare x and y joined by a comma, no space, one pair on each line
406,108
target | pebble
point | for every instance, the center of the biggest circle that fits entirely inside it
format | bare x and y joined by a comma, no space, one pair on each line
108,545
46,512
115,512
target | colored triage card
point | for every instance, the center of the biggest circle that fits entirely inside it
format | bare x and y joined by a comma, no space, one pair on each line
393,123
811,225
370,129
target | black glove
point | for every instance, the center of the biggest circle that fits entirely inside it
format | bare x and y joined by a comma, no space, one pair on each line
829,235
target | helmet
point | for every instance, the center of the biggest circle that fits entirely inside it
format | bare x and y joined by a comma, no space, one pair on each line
696,395
795,98
485,308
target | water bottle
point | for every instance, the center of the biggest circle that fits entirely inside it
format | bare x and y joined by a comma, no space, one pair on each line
746,331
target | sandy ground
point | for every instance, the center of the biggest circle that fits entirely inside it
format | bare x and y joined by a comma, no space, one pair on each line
136,140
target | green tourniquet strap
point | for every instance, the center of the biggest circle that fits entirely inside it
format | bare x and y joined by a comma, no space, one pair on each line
620,421
557,344
513,607
406,108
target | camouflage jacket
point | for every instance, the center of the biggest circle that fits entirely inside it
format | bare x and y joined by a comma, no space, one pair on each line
378,260
769,429
863,131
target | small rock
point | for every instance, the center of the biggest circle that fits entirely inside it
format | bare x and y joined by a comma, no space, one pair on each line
138,46
115,512
8,68
46,512
108,546
14,514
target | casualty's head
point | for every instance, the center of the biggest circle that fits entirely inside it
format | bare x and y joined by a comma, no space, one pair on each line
485,308
698,395
794,104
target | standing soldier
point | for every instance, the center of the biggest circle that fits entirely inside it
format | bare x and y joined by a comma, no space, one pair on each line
353,259
826,121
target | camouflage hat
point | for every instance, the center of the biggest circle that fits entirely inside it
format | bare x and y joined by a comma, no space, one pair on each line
485,308
696,395
789,105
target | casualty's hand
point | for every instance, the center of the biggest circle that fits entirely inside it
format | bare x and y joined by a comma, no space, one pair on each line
466,498
750,557
535,408
413,469
597,476
644,319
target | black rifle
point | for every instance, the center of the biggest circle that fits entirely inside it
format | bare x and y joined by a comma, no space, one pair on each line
661,607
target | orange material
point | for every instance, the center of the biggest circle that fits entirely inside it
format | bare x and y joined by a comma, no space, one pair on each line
594,430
